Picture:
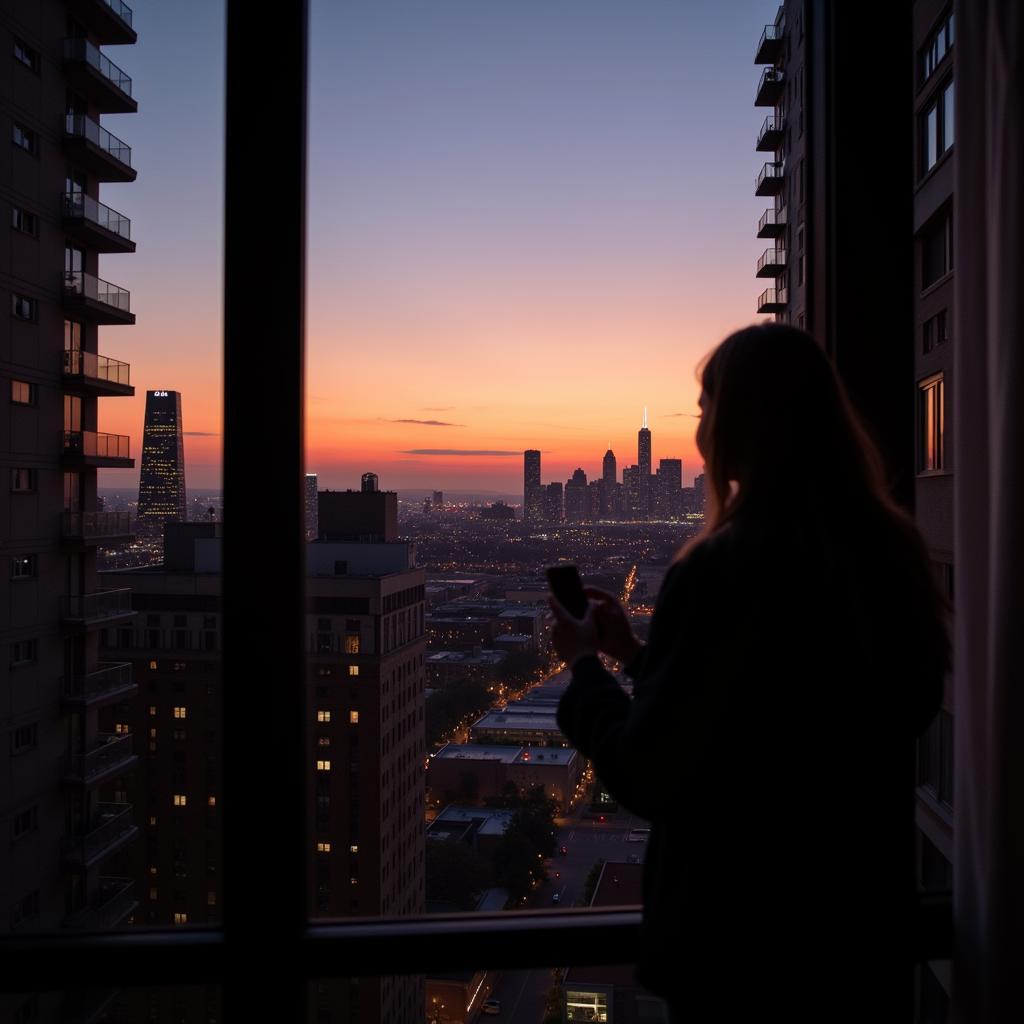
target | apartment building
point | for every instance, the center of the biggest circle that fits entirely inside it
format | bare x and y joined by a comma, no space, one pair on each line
63,798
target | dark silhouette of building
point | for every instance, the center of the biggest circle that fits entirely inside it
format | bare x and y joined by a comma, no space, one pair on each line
65,819
631,492
312,507
162,476
364,516
499,510
438,501
668,488
643,462
533,491
553,509
576,500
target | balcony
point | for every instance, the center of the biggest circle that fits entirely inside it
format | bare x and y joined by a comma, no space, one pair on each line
104,451
772,223
98,227
109,829
115,900
772,300
111,757
103,606
769,46
98,77
111,681
103,155
91,298
110,21
95,374
770,180
769,88
772,263
769,138
95,527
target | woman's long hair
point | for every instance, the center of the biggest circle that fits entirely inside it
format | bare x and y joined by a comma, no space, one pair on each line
783,442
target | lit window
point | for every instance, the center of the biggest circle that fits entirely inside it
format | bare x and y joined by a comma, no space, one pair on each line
24,53
180,712
211,899
323,847
211,801
180,917
152,821
152,893
353,670
353,849
323,716
23,567
931,425
23,393
152,870
152,666
323,766
353,881
352,644
353,718
152,709
937,128
152,734
121,728
323,741
180,799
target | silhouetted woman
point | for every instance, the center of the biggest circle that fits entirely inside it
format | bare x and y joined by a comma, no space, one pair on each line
797,649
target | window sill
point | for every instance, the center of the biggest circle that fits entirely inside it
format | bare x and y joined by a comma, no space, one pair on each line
927,474
937,284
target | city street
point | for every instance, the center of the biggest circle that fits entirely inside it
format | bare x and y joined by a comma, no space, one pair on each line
523,994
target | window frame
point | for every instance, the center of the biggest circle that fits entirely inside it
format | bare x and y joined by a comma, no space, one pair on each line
263,354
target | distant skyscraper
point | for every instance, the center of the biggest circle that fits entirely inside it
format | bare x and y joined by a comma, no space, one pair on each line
698,492
553,503
533,492
576,497
631,489
643,462
670,488
438,500
312,528
162,476
609,471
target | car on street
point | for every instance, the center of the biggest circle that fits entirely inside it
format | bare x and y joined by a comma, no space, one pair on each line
638,835
491,1006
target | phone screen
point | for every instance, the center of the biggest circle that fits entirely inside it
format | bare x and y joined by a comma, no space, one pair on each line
567,586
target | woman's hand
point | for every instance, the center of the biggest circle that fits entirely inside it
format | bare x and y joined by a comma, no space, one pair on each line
615,634
573,638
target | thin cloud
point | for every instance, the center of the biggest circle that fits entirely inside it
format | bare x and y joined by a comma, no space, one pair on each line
437,408
199,433
455,451
428,423
692,415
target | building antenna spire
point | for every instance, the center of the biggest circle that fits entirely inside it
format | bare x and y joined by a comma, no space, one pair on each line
645,417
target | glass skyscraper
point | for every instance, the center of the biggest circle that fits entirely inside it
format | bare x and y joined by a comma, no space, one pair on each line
162,477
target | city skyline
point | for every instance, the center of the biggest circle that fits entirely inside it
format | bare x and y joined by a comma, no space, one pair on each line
457,268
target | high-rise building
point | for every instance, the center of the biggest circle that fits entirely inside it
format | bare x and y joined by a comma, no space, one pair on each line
365,789
64,817
312,506
553,509
631,492
438,501
669,488
902,225
533,491
576,501
365,516
162,476
609,473
643,462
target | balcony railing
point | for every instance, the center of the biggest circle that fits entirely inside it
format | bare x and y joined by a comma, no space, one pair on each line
110,823
88,286
771,262
769,45
111,752
772,300
82,50
92,445
96,367
772,223
103,604
108,678
95,525
114,902
769,88
79,206
123,11
770,135
769,180
81,127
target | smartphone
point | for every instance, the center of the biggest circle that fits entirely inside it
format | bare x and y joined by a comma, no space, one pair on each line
567,586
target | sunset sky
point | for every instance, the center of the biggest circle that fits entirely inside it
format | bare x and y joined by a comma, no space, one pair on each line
527,221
